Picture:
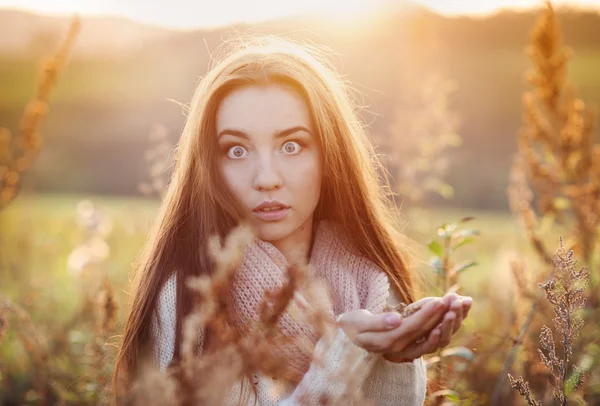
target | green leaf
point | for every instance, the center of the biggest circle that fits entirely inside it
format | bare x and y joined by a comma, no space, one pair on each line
465,241
463,266
436,248
462,352
447,393
453,397
578,374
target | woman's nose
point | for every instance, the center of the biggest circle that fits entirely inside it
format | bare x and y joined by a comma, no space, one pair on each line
267,175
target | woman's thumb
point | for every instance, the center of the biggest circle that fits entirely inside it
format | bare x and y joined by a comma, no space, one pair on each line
361,321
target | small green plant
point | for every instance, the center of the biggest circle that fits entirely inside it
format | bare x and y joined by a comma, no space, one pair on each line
451,237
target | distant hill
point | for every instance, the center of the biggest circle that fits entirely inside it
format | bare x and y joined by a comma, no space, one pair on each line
25,33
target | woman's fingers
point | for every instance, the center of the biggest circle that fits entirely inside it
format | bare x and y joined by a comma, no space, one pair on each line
467,303
457,308
420,323
447,329
424,301
463,305
412,327
428,346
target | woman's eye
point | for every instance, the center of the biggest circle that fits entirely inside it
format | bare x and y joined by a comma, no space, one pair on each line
236,152
291,147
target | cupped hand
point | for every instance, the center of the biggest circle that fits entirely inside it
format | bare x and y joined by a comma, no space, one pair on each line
441,335
405,339
389,332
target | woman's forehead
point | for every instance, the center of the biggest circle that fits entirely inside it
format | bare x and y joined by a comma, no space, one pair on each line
257,109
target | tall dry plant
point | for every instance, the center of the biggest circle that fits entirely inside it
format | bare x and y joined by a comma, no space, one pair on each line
557,167
565,291
18,153
233,354
557,163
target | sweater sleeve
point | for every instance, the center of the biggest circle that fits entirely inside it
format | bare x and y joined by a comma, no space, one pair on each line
397,384
340,366
163,326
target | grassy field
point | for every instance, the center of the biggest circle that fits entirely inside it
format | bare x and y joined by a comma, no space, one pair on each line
55,251
42,232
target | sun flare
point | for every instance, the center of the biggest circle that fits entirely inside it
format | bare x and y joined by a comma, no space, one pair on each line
183,14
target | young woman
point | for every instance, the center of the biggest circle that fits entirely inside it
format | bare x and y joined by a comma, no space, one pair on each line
272,139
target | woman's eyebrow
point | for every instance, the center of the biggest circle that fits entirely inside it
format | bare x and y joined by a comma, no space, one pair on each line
278,134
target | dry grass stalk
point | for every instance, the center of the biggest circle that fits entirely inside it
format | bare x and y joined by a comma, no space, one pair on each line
32,340
556,144
235,353
555,155
565,291
153,388
522,279
520,198
17,155
106,316
530,365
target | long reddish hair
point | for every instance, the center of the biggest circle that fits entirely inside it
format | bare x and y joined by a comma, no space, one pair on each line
196,205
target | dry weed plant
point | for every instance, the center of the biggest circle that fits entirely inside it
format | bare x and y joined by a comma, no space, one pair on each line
556,150
236,353
557,168
565,291
17,154
32,340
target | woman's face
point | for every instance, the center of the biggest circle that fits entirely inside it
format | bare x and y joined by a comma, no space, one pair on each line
270,155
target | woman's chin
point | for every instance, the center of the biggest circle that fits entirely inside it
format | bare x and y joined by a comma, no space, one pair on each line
273,231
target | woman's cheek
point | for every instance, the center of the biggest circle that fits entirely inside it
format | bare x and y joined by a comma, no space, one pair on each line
236,179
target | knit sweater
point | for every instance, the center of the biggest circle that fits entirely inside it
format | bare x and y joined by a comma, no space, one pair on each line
355,283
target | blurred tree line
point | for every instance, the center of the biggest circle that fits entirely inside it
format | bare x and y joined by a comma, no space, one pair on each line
106,107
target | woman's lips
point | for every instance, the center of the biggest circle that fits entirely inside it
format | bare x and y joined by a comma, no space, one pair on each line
272,215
